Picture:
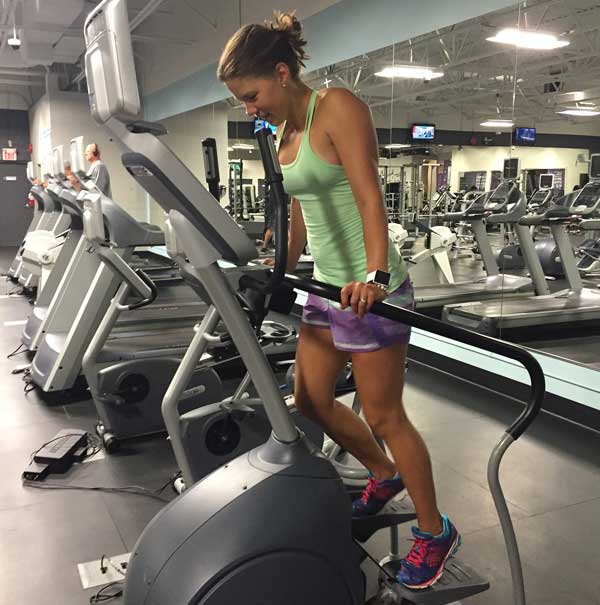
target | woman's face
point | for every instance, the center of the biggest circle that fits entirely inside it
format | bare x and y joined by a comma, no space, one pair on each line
262,96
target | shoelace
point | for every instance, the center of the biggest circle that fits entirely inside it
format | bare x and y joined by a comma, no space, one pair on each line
369,490
416,556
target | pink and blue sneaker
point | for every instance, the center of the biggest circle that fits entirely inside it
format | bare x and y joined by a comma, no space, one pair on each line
424,564
376,495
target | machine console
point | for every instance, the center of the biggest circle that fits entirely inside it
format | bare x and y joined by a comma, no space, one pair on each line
588,199
58,162
77,155
498,198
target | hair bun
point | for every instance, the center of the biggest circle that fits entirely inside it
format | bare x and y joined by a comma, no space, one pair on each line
286,22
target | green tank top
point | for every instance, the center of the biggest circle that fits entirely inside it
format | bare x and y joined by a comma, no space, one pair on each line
333,223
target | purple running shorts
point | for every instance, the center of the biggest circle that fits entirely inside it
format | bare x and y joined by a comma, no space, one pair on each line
355,335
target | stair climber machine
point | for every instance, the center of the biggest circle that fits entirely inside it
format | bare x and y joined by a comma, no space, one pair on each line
38,212
51,230
301,544
62,334
49,262
575,304
510,256
504,204
128,376
43,247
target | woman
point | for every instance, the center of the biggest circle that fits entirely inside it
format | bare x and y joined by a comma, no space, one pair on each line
328,154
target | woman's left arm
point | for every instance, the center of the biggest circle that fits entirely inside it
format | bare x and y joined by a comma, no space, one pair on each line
350,127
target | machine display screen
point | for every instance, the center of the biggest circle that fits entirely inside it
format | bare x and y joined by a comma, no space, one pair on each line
595,166
260,124
511,168
589,196
524,136
546,181
499,195
422,132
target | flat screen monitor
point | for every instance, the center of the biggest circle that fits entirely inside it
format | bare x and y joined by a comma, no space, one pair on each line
595,166
77,155
524,136
511,168
58,162
422,132
260,124
546,181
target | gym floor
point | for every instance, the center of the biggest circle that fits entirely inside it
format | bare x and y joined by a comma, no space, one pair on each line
551,479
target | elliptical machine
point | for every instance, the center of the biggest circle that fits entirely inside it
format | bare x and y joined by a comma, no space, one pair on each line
301,546
510,257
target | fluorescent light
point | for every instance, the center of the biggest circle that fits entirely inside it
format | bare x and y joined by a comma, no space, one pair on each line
580,111
498,124
528,39
243,146
409,71
396,146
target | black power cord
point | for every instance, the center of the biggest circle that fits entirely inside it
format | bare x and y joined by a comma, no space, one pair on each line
103,597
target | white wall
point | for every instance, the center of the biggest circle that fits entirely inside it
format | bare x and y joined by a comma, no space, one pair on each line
491,158
40,131
186,132
70,112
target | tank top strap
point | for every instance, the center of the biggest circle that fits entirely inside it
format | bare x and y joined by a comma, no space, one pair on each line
311,111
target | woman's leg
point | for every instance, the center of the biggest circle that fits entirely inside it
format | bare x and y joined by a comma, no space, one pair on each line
379,378
318,365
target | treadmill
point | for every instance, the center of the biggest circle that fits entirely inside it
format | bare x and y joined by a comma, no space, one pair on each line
575,304
504,204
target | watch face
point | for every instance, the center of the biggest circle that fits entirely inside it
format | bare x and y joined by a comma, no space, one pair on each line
382,277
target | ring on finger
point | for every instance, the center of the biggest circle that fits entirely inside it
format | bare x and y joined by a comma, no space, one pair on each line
363,301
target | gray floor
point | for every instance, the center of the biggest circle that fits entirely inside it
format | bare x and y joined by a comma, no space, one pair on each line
551,479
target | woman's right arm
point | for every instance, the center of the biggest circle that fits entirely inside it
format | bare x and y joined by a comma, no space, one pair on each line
297,235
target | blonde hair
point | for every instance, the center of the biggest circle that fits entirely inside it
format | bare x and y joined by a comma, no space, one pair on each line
255,50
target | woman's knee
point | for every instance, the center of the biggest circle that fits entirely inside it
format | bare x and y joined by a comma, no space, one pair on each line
386,420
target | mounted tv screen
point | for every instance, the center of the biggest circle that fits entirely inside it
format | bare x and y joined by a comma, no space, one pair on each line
422,132
524,136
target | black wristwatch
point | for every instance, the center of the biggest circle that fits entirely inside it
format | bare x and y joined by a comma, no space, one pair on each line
379,278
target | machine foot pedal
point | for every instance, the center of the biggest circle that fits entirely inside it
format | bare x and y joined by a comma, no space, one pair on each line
395,512
459,581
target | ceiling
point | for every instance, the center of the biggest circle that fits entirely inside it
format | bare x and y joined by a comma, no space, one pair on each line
172,38
478,79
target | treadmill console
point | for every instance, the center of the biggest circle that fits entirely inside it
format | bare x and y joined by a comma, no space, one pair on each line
499,198
588,199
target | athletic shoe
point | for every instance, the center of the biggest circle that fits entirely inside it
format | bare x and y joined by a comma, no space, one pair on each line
376,495
425,562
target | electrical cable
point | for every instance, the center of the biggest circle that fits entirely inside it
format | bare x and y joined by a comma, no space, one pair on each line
18,351
102,597
134,490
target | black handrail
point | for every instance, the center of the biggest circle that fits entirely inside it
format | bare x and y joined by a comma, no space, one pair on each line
487,343
274,177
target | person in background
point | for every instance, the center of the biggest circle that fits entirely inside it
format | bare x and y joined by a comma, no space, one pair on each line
97,172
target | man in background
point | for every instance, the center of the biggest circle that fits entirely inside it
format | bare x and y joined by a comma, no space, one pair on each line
97,172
